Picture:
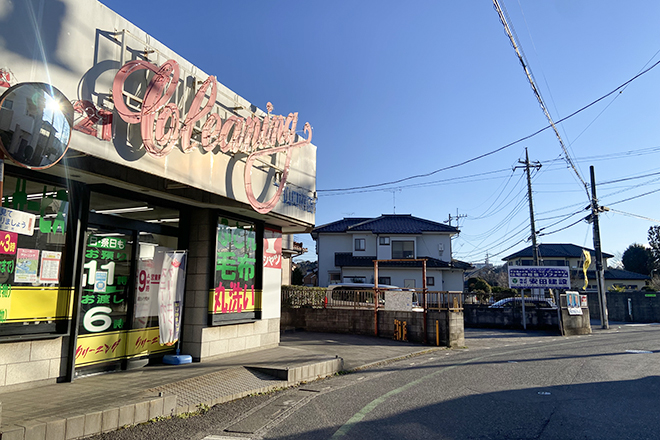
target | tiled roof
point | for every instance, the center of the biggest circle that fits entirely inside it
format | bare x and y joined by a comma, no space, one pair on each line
347,259
620,274
610,274
387,224
340,225
554,250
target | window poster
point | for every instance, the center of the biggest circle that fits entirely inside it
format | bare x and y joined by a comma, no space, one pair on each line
27,265
105,284
236,249
50,267
272,249
148,280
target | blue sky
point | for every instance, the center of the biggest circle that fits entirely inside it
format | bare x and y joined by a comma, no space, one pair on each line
395,89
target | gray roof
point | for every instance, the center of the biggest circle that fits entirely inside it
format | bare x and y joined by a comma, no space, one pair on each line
554,250
385,224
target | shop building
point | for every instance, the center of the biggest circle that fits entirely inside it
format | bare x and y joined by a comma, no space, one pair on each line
163,216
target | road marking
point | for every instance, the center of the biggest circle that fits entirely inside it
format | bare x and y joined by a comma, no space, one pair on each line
638,351
357,417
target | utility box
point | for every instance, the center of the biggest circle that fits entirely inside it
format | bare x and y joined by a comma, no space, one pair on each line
575,319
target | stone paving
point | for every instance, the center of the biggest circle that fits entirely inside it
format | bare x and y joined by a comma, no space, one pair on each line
106,402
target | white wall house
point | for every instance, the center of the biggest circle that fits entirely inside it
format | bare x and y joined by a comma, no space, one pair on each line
347,249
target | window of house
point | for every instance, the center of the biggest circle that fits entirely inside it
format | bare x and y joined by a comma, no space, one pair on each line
334,278
360,244
384,241
355,279
403,249
430,281
385,280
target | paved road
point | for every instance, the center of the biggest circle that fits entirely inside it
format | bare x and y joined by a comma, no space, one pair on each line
505,385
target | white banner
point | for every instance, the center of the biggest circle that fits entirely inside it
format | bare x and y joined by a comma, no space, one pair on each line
170,296
539,277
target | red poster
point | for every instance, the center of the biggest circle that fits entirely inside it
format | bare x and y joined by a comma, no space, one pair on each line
272,249
8,242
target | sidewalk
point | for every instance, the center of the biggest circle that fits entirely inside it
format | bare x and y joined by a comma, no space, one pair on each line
107,402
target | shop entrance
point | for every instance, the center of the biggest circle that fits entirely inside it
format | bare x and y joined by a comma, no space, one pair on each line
125,243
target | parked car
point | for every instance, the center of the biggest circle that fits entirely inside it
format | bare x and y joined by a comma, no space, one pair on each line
532,303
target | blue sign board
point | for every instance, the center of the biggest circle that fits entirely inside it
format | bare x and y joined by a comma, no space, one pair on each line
539,277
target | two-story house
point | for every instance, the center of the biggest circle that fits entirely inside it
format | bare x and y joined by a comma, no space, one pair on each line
347,249
571,255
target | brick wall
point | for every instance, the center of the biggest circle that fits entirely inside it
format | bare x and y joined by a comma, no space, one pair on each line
361,322
24,364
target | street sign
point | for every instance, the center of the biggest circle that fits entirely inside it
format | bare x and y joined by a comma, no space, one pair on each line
573,303
539,277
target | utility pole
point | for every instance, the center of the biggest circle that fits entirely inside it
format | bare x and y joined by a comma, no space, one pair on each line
457,218
600,272
535,247
528,165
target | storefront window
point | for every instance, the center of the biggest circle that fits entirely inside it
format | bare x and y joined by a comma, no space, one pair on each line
33,222
235,295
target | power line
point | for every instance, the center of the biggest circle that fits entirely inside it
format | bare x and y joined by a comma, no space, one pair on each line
530,77
497,150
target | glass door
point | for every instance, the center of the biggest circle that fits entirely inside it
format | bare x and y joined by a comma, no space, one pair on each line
105,300
126,242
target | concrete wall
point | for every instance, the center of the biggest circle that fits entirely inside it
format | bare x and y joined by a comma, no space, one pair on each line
644,306
199,279
481,316
29,363
361,322
229,340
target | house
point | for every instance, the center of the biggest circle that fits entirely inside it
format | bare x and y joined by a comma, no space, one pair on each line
348,247
290,250
571,255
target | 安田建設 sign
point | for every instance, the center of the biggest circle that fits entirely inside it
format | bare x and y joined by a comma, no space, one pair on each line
539,277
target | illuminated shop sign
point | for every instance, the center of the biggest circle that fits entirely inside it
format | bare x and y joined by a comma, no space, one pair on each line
163,126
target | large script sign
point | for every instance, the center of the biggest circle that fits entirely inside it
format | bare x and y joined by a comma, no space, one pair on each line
163,127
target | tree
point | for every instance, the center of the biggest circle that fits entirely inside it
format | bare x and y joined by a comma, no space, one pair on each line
478,285
638,258
297,277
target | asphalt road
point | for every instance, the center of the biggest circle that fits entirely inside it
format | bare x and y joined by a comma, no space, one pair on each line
505,385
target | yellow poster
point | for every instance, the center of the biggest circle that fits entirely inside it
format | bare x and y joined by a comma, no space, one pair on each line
100,347
144,341
28,304
238,299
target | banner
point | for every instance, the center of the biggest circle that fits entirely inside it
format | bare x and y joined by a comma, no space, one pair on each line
170,296
539,277
585,266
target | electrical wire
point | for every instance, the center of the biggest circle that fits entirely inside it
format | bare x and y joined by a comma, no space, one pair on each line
528,72
497,150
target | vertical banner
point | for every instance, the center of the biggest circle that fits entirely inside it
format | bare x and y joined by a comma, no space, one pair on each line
170,296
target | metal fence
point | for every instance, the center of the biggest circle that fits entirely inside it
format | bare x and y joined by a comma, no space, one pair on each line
315,297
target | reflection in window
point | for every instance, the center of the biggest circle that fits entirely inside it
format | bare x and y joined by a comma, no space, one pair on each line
32,247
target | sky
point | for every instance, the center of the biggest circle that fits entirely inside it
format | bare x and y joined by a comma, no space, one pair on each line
400,89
